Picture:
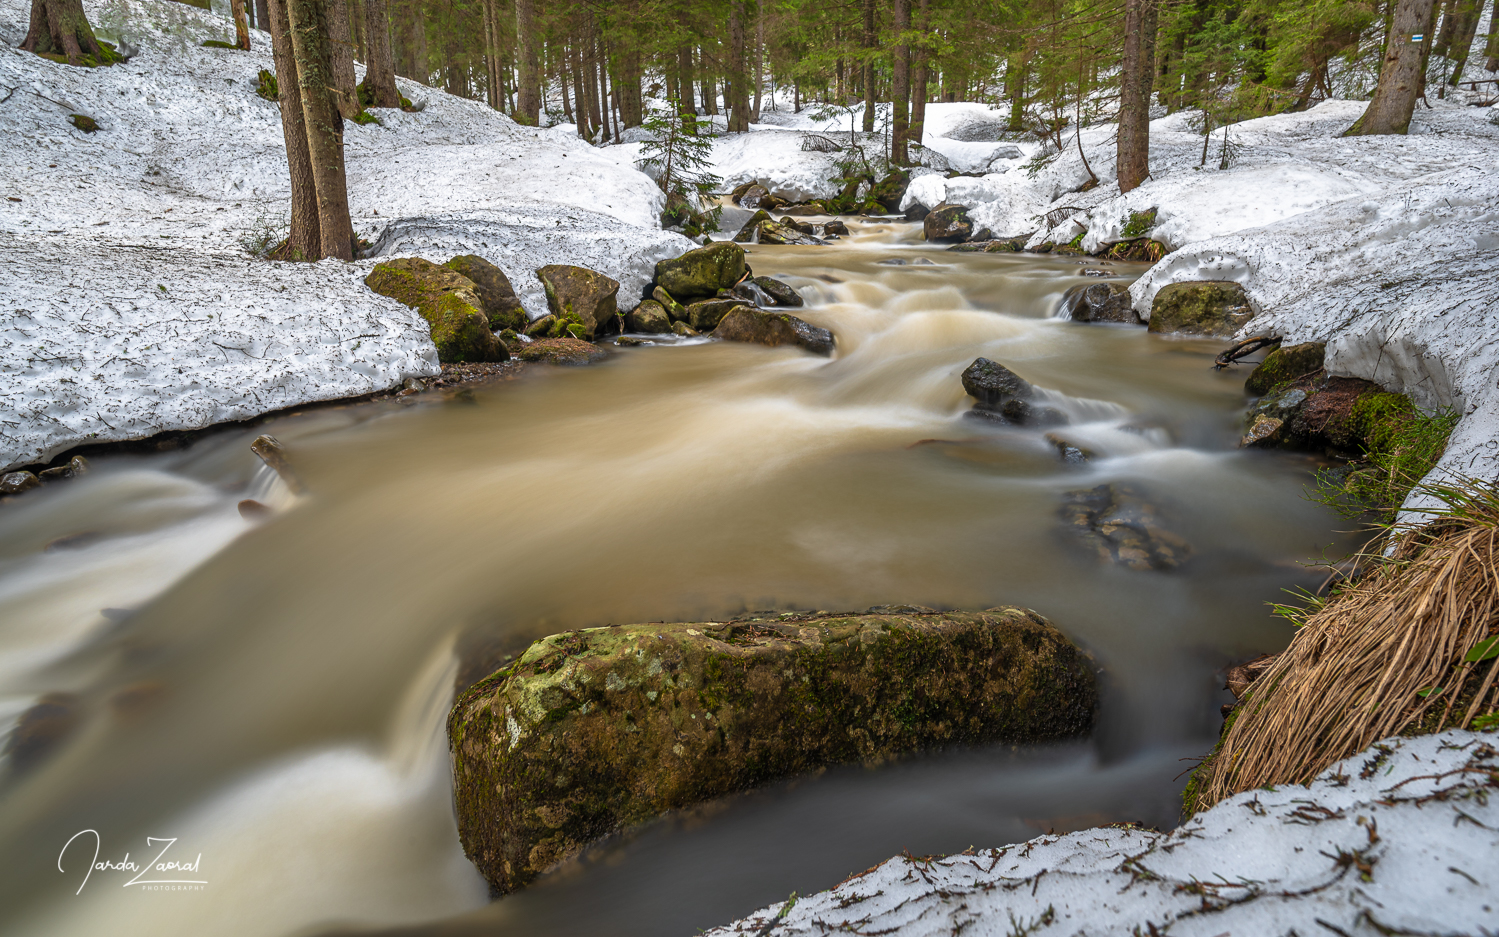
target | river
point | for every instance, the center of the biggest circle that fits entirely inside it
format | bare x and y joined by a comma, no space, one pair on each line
270,696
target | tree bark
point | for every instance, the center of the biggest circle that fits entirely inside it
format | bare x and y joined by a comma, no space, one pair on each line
900,85
379,66
1400,73
869,47
710,86
340,45
311,46
759,58
737,85
1133,154
262,16
1469,12
1491,47
303,241
922,58
685,78
580,97
528,86
60,27
1443,40
241,24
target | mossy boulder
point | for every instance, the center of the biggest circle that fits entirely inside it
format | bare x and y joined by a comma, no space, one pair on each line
592,731
449,302
501,306
1215,308
781,293
947,222
776,232
565,350
767,327
578,291
748,230
1285,364
890,190
701,273
674,309
705,316
649,317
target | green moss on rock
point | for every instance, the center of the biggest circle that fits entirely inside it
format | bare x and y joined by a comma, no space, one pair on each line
1285,364
266,86
701,273
1215,308
447,300
501,306
580,295
592,731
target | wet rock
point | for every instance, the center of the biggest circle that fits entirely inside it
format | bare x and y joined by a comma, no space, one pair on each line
13,483
890,190
755,196
922,262
581,292
1098,302
448,300
1285,364
947,222
1123,528
917,212
835,227
1216,308
1338,415
891,262
773,232
496,295
542,327
765,327
748,230
593,731
781,293
674,309
741,189
1069,452
648,317
562,351
630,341
991,383
252,510
76,467
1264,431
989,247
39,729
701,273
801,227
684,330
705,316
269,450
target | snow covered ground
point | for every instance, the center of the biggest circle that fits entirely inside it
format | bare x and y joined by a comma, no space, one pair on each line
131,306
1398,839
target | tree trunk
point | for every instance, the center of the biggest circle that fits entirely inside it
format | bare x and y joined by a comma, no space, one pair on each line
421,61
628,87
1443,40
528,84
302,241
262,16
335,13
923,57
358,48
759,58
379,66
1133,155
710,87
311,46
580,98
1469,12
869,47
1491,47
736,97
241,24
1400,73
492,92
900,85
60,27
685,78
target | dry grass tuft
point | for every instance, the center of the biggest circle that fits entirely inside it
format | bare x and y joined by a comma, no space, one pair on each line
1384,654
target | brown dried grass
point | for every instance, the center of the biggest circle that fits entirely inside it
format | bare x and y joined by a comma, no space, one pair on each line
1354,671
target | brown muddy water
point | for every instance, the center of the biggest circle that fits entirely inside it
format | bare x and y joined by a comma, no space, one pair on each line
270,697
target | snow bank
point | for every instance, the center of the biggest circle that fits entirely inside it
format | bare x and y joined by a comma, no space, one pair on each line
776,160
187,165
1398,839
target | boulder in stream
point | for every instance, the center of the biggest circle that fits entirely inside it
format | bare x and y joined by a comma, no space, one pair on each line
592,731
501,307
674,309
701,273
1005,397
1099,302
581,292
565,350
1285,364
705,316
448,300
648,317
781,293
1215,308
947,222
13,483
767,327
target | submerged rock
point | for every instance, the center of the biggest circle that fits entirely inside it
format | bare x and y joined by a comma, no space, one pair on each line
1285,364
781,293
648,317
766,327
1122,527
593,731
501,307
448,300
1216,308
586,294
701,273
1099,302
947,222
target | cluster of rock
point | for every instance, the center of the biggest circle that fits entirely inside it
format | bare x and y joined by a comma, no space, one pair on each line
595,730
14,483
1005,397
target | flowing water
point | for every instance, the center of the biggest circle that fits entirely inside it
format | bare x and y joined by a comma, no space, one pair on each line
271,696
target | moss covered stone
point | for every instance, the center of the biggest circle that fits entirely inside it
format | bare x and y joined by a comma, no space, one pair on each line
592,731
947,222
674,309
447,300
1216,308
83,122
648,317
767,327
705,316
501,307
580,294
1285,364
563,350
701,273
266,87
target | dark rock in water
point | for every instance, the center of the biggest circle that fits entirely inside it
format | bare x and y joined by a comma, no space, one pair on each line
1025,413
747,291
990,382
562,351
835,227
501,307
39,729
1122,527
1098,302
648,317
1216,308
252,510
593,731
674,309
701,273
13,483
781,293
581,292
773,328
1285,364
1070,453
448,300
76,467
740,190
917,212
947,222
705,316
892,262
922,262
755,196
630,341
773,232
684,330
268,449
748,230
800,227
